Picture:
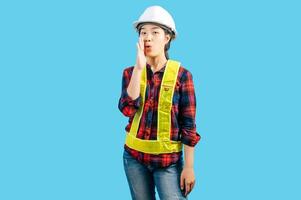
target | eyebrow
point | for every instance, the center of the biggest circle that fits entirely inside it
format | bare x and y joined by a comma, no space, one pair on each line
152,28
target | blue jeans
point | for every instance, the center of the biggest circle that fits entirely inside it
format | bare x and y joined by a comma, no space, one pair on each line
143,179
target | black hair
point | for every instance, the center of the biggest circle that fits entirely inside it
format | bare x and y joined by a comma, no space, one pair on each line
167,31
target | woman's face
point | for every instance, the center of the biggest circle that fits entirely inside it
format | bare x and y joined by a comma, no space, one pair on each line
154,39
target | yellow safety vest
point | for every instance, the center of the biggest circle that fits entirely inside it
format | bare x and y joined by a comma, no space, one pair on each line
163,144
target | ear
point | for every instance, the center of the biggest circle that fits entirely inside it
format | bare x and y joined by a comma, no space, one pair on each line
167,38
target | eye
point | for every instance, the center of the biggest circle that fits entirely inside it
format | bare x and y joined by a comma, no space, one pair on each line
156,32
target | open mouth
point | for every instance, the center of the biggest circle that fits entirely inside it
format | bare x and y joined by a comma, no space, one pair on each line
147,46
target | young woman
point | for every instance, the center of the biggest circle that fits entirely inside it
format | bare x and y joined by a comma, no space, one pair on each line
158,97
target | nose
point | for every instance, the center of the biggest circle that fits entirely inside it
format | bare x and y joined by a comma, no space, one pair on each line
147,37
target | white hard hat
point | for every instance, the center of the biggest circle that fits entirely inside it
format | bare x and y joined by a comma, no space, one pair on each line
158,15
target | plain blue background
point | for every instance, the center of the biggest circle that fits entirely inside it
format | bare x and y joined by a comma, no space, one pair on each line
61,63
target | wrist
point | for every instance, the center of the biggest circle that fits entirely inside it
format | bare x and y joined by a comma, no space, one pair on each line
187,166
138,68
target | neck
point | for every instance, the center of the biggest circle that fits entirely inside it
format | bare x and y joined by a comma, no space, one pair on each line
156,62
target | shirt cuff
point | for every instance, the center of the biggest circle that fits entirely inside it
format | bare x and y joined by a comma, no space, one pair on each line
132,102
190,138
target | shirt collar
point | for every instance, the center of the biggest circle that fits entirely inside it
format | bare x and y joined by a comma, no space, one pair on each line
161,70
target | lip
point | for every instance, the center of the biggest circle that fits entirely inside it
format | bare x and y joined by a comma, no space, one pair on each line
147,46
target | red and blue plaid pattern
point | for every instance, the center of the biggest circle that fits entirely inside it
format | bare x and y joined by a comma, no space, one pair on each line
183,112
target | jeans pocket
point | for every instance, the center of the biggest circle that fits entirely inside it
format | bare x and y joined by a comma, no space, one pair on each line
126,154
127,158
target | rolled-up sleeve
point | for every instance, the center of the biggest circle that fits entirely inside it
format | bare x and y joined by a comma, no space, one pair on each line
187,111
127,105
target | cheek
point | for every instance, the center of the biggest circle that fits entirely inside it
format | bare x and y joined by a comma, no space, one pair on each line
160,45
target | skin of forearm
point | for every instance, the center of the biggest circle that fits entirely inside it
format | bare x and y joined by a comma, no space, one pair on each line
189,154
133,89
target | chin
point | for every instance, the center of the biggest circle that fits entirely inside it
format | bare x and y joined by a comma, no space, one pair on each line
151,55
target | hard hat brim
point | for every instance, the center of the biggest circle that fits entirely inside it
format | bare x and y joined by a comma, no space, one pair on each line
136,23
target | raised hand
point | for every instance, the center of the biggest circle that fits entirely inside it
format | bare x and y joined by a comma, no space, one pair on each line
141,59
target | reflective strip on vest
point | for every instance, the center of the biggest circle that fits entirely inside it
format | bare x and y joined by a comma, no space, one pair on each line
163,144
